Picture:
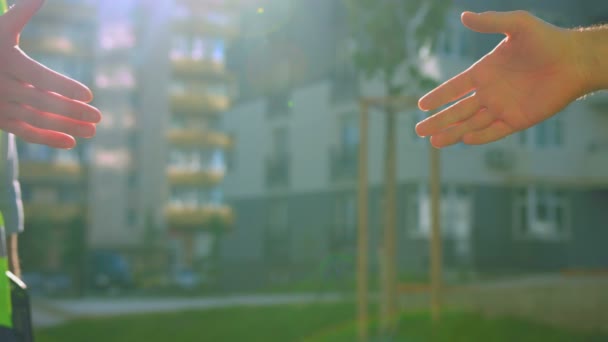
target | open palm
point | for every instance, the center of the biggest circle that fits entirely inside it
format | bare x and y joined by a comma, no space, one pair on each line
530,76
36,103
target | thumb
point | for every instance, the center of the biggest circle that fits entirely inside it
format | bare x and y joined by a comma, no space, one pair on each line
20,14
494,22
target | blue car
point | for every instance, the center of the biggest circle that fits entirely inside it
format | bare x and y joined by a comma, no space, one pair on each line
109,271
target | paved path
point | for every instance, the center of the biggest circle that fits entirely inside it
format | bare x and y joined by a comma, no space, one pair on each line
48,312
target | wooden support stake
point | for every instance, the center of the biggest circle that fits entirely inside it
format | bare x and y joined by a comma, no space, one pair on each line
435,247
362,231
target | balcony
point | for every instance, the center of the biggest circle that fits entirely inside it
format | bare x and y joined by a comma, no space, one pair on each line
50,172
343,163
194,178
190,137
59,46
62,11
192,68
202,218
199,103
277,171
53,213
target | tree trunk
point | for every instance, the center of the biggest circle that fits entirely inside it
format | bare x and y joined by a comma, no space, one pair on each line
389,236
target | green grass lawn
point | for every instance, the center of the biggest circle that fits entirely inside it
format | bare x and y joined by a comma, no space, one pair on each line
311,323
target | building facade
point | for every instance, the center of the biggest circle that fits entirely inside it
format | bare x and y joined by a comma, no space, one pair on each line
532,202
148,186
54,182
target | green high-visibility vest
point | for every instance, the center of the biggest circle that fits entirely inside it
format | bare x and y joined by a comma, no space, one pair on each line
6,307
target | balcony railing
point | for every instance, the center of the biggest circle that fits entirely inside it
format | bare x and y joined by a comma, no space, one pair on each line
198,137
197,104
200,218
54,46
53,213
179,177
188,67
277,171
343,163
30,171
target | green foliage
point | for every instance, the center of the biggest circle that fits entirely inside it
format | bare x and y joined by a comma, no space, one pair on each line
390,32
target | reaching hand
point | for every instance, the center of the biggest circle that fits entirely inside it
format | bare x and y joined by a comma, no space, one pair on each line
36,103
531,75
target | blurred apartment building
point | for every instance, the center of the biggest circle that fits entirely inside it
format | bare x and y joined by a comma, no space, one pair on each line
54,182
148,186
535,201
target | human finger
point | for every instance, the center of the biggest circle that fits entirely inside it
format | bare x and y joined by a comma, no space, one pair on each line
494,22
27,70
459,111
36,135
49,121
449,91
496,131
49,102
454,134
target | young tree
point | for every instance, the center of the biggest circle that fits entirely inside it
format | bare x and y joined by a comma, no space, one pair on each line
389,37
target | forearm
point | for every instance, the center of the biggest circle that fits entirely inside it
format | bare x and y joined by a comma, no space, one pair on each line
593,46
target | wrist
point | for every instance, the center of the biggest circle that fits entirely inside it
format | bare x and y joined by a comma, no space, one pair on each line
592,44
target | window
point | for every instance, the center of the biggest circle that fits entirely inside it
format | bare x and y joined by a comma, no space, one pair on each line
119,35
280,141
190,160
35,152
456,212
349,132
345,216
230,156
279,104
277,214
345,85
116,76
68,194
115,159
198,48
180,47
131,217
277,232
549,133
192,198
44,195
67,157
541,213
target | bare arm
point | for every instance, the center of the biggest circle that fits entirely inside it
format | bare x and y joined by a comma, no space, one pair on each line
536,71
593,45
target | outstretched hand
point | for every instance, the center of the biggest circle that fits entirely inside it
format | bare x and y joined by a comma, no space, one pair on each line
37,104
530,76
